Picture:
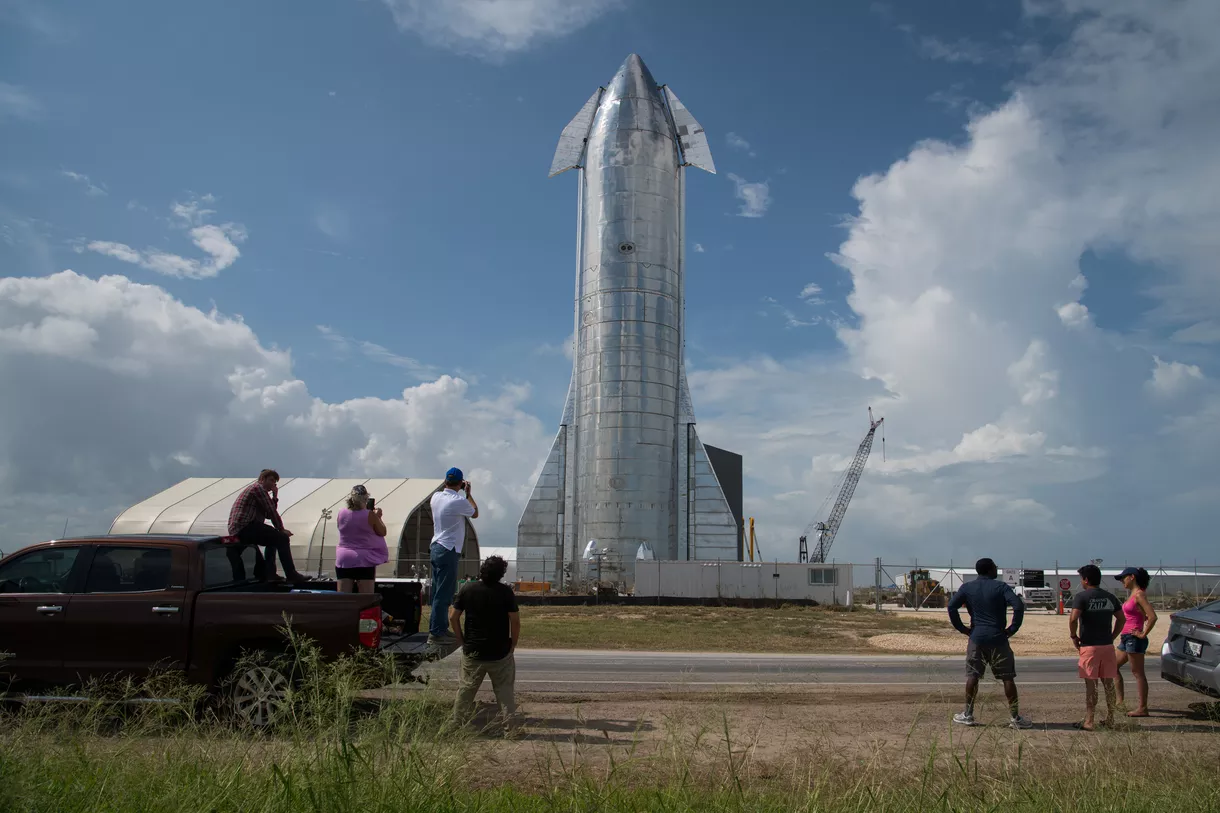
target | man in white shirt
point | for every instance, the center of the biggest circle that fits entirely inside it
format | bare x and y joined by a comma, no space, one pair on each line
450,508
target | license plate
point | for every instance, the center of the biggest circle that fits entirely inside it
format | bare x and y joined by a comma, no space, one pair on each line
1194,649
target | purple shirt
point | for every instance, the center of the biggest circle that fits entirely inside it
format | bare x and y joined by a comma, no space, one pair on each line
359,545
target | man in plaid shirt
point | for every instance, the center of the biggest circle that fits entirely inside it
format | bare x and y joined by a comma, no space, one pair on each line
248,522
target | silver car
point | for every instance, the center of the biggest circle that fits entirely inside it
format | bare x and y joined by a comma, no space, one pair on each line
1191,654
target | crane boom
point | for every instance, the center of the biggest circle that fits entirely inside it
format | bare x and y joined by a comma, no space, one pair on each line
826,531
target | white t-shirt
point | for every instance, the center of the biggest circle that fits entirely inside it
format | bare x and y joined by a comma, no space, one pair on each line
449,511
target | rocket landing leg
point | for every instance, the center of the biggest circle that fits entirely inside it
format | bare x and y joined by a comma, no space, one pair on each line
542,548
707,528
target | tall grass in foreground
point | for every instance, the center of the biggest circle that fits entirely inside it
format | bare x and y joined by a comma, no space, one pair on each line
334,752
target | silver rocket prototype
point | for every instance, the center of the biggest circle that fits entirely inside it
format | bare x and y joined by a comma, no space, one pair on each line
627,467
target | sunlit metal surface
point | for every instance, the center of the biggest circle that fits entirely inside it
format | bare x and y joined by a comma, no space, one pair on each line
572,140
695,149
626,466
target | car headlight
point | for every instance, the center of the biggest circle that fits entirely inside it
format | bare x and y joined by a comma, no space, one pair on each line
1164,649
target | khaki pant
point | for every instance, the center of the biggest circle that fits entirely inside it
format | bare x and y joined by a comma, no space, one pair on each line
503,674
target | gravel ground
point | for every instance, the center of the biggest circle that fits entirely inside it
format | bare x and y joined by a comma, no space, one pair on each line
1040,634
785,731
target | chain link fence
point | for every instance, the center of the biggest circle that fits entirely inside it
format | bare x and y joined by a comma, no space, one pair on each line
911,585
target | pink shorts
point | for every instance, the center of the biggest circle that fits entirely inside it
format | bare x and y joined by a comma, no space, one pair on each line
1098,662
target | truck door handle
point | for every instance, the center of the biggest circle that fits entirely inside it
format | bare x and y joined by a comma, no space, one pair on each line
50,609
164,610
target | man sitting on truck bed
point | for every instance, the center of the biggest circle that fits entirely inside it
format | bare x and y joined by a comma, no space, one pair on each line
248,522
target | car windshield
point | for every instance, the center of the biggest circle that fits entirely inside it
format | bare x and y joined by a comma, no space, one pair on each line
1210,607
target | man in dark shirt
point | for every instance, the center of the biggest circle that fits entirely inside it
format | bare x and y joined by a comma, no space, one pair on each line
988,599
493,627
1098,615
257,503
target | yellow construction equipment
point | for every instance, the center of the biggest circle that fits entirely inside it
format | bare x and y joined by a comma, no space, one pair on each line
924,591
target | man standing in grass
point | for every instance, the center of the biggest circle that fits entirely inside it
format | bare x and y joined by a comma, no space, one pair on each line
987,599
489,639
1098,615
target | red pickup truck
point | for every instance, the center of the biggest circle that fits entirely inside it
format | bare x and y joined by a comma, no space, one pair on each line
77,609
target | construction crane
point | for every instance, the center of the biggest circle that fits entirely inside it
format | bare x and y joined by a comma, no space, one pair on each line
827,530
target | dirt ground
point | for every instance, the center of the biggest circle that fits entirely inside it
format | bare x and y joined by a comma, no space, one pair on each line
1041,633
780,630
775,733
787,628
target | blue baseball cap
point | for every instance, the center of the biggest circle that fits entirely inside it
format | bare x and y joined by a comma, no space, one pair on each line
1131,571
454,475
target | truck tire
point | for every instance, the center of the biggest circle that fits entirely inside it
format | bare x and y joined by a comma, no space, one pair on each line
256,691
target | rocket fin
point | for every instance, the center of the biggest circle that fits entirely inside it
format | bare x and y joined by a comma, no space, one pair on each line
686,412
571,149
540,531
569,405
695,149
713,528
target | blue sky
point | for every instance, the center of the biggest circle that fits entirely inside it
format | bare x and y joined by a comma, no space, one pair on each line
366,164
370,176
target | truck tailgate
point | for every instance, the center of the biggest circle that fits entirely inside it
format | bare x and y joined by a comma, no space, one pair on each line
226,622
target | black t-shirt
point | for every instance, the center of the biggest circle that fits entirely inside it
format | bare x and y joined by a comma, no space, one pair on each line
486,608
1096,616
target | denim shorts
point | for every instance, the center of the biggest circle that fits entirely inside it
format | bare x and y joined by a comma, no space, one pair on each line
1130,644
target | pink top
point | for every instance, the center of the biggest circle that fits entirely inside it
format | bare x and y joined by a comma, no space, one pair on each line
359,545
1135,616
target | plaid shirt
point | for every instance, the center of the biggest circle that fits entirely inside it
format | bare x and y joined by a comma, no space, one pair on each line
253,504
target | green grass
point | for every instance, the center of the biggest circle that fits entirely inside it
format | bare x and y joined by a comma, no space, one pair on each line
342,775
787,628
332,753
378,767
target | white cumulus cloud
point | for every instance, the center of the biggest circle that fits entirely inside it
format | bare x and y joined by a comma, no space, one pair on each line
494,28
173,391
218,242
1172,377
965,263
738,143
755,197
91,189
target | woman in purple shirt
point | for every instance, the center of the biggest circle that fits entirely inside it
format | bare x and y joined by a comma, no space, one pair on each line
361,543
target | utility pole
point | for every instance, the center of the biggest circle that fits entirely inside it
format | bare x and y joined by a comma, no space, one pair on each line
326,515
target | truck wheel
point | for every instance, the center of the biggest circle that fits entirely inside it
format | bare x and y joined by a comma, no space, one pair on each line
256,694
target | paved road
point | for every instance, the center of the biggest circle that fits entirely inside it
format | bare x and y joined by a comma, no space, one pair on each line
604,671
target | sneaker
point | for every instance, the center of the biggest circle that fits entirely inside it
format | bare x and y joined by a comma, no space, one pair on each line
962,718
442,640
1020,722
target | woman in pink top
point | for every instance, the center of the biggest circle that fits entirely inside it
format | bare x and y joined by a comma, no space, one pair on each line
1140,618
361,543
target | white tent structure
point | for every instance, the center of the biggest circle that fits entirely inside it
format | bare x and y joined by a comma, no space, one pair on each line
201,506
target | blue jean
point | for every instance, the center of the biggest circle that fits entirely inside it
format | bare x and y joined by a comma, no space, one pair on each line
1131,645
444,581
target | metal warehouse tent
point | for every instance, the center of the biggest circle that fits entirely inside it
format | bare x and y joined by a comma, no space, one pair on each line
201,505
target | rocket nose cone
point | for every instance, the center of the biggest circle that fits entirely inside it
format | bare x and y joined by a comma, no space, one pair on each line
632,79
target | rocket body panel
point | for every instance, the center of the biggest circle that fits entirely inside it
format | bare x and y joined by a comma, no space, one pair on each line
630,315
627,471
